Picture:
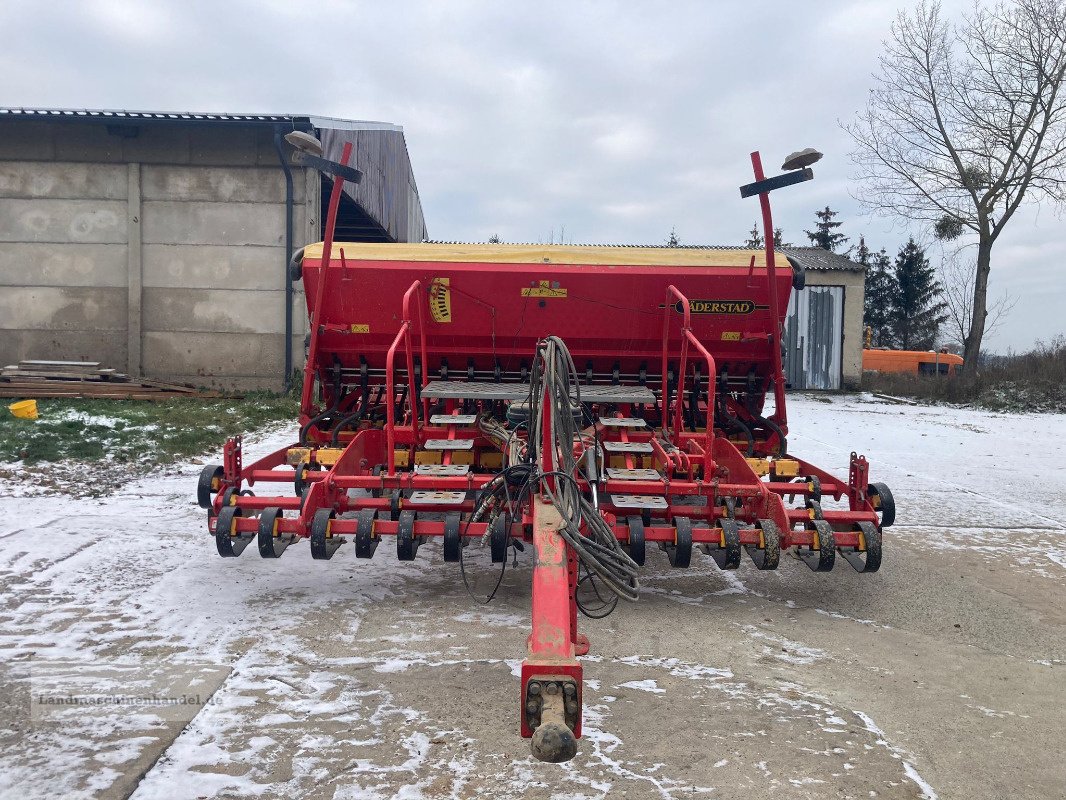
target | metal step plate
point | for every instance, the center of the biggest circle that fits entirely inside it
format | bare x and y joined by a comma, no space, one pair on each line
488,390
623,422
449,444
426,498
453,419
637,501
628,447
619,474
443,470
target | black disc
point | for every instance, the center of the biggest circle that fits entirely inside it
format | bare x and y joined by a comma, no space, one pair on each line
768,556
726,554
882,501
394,505
867,559
498,539
365,540
406,543
822,558
209,484
816,507
323,543
228,541
680,552
815,487
452,539
636,547
300,481
269,540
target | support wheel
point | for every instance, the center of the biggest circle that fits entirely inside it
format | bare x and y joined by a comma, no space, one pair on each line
867,557
680,552
636,547
498,539
230,542
323,543
300,482
209,484
767,555
726,553
881,499
822,557
272,543
453,540
406,541
365,540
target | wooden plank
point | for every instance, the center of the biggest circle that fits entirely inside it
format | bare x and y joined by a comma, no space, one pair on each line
76,376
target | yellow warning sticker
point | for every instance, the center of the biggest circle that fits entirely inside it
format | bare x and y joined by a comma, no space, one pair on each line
730,336
357,328
440,299
544,289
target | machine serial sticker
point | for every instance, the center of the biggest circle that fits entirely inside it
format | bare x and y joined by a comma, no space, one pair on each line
440,299
730,336
357,328
544,289
721,306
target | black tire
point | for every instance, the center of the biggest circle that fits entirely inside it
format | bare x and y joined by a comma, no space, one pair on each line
769,555
228,541
406,541
822,559
869,558
680,552
453,544
270,544
323,543
727,556
498,539
300,482
882,501
365,540
208,485
636,547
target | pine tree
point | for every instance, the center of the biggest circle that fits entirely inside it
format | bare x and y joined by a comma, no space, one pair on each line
779,236
881,290
673,241
755,238
917,311
825,234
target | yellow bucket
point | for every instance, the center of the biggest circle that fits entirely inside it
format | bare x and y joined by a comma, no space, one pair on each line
24,409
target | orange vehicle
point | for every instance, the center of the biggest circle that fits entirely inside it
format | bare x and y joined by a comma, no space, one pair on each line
916,362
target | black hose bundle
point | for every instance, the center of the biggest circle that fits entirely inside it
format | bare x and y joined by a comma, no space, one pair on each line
599,550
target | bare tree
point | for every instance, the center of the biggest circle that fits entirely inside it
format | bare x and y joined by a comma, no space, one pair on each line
965,124
957,277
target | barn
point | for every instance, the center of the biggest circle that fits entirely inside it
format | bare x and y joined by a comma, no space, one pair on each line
158,243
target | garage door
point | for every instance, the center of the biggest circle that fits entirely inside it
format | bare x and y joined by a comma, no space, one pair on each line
814,337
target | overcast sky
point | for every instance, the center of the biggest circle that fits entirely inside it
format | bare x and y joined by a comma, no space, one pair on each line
615,121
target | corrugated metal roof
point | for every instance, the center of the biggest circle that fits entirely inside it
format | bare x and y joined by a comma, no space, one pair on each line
818,258
297,120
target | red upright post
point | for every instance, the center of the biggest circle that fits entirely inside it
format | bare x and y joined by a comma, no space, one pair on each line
780,415
320,295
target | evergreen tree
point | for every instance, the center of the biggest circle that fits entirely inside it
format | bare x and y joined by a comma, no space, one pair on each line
673,241
755,238
779,242
917,311
825,234
881,290
494,239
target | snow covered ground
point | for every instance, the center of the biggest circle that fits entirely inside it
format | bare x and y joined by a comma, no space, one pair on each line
355,679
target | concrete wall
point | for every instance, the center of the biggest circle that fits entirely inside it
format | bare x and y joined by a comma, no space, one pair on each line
160,254
854,285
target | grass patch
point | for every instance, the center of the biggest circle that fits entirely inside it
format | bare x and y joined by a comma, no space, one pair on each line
114,440
1033,381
